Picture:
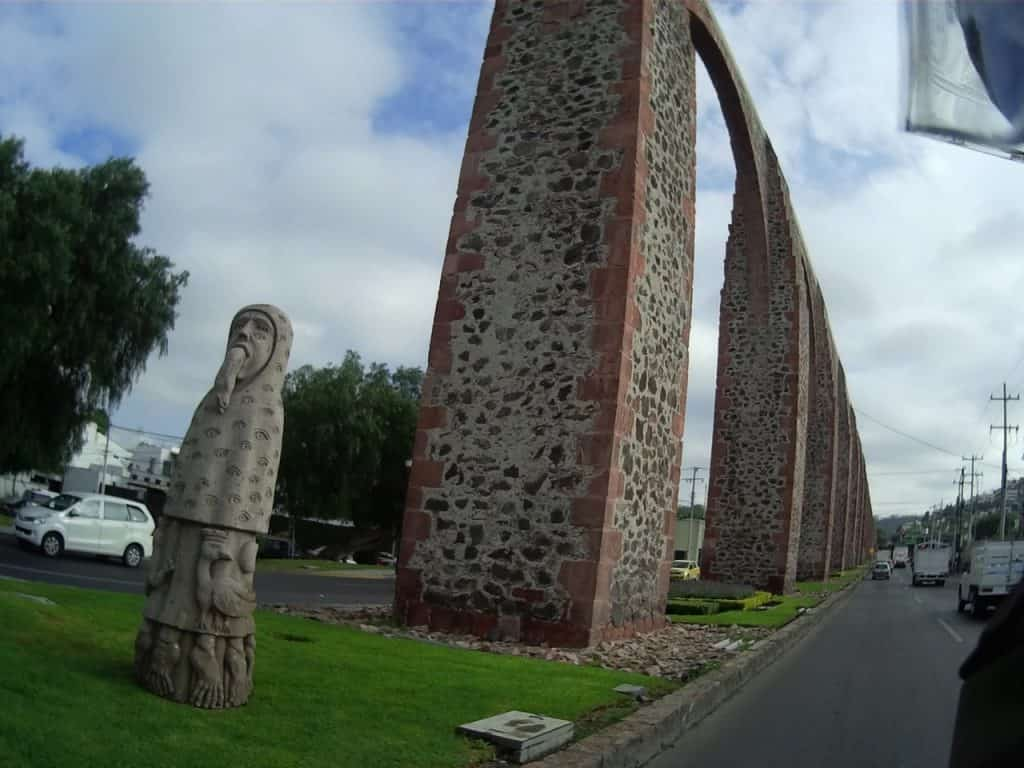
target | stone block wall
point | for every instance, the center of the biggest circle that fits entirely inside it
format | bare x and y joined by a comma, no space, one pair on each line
844,455
546,462
649,445
822,431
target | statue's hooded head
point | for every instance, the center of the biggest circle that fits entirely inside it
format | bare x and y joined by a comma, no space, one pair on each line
259,343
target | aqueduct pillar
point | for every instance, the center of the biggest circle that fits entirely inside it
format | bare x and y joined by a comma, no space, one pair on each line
545,470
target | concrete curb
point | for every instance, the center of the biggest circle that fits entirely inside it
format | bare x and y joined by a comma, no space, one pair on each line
639,738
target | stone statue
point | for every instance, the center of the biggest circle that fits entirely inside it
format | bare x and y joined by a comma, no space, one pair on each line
197,643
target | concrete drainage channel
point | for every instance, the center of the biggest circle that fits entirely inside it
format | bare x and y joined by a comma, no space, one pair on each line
639,738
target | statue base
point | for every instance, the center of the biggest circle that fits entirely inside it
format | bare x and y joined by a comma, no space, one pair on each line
203,670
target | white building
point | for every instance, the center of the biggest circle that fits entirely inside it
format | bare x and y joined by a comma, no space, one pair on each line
689,539
151,466
99,463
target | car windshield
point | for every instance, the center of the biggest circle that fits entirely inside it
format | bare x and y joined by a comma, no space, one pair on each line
63,501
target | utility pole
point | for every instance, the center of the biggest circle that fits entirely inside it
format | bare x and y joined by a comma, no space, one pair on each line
1002,488
970,522
959,509
692,480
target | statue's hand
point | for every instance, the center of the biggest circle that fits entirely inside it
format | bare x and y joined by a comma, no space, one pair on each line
222,402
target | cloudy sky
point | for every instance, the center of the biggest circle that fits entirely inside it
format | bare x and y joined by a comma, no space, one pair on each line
307,156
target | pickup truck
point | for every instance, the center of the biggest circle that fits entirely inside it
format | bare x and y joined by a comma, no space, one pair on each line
993,569
931,564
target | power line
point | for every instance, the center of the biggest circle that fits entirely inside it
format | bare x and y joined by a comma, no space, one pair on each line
910,472
901,433
148,432
907,435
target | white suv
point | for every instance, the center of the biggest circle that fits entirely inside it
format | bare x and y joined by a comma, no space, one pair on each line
89,522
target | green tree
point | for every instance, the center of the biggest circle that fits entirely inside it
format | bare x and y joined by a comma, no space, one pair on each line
349,432
82,305
683,512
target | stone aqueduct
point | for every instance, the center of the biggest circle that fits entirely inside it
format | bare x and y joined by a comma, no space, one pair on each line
546,465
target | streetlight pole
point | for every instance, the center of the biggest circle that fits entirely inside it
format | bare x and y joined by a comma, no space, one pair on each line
106,452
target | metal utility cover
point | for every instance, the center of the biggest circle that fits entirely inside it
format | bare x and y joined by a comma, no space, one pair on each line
525,736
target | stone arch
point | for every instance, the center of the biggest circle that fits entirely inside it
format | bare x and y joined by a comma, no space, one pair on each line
545,472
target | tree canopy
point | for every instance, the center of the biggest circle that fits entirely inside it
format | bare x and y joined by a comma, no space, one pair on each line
348,433
82,304
683,512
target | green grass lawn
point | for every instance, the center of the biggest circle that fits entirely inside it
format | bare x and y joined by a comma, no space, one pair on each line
6,521
275,565
773,617
325,695
834,584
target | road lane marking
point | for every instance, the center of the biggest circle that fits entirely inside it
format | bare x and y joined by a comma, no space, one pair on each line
952,632
68,575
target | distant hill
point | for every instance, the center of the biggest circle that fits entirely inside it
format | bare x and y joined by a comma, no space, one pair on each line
888,525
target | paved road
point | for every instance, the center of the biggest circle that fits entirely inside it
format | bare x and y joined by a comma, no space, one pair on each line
875,685
96,573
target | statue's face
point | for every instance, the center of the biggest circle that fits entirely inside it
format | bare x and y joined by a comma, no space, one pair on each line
253,333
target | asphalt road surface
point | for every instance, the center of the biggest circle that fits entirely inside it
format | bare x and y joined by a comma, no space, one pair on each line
874,685
277,588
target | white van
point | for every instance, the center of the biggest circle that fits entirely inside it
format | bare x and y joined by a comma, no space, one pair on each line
88,522
992,570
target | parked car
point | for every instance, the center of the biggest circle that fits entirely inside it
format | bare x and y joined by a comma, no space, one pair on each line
274,547
385,558
90,523
29,497
685,569
881,570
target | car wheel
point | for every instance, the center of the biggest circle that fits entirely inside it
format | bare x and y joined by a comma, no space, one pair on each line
978,607
52,544
941,582
133,556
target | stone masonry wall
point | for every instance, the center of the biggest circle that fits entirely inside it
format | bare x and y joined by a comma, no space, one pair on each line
844,453
853,509
650,450
517,470
822,428
546,461
758,452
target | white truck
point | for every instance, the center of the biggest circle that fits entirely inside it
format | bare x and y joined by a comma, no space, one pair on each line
992,570
931,564
900,555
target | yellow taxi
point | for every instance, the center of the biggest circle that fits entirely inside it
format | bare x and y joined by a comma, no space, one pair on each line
685,569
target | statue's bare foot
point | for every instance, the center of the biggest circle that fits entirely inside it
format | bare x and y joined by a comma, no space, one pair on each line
207,676
163,661
159,682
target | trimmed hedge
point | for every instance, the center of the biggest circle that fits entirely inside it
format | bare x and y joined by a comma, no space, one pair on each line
683,606
709,590
691,607
746,604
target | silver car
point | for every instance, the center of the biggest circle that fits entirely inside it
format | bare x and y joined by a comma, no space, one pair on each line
89,523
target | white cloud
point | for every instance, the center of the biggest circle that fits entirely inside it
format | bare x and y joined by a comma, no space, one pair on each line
269,180
915,242
273,180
